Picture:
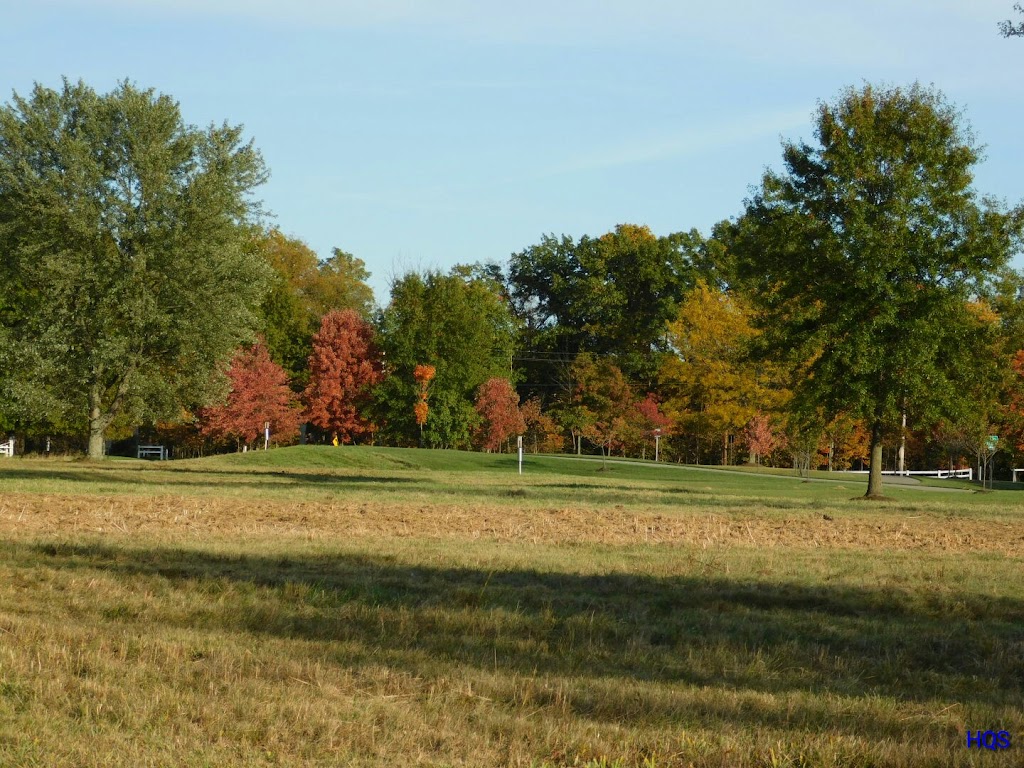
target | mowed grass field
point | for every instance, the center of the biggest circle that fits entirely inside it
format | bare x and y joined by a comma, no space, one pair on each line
385,607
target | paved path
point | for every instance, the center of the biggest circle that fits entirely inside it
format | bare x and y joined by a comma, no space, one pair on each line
893,482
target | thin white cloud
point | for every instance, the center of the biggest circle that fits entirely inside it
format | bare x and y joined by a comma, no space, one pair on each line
697,140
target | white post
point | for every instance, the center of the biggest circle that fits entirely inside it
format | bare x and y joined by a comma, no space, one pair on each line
903,441
266,435
657,441
519,441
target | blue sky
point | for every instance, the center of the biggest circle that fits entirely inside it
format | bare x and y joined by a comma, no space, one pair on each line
423,134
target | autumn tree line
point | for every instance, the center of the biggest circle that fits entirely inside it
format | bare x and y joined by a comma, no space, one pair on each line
864,283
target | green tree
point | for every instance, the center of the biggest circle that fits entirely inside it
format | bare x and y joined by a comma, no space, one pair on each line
288,321
341,284
127,269
460,325
610,295
865,252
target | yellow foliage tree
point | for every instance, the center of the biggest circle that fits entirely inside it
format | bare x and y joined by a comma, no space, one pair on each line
713,388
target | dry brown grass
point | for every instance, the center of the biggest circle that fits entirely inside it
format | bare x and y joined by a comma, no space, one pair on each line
24,514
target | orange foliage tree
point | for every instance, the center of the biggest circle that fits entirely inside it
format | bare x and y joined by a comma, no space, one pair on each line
603,398
541,430
423,374
498,406
344,366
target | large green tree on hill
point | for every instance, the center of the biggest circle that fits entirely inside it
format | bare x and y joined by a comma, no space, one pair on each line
865,253
128,271
609,295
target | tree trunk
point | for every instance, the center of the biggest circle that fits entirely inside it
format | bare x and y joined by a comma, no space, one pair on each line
875,472
95,441
98,422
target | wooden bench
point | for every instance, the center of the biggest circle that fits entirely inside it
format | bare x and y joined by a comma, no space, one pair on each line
151,452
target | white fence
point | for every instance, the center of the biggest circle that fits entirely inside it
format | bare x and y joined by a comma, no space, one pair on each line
7,449
960,474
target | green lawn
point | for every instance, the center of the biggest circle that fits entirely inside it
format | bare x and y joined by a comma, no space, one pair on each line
360,606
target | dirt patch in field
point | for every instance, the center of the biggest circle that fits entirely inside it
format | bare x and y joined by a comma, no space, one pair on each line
31,514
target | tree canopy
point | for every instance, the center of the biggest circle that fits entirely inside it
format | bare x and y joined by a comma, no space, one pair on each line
498,406
460,325
258,395
609,295
126,278
344,366
865,252
303,289
1010,29
712,386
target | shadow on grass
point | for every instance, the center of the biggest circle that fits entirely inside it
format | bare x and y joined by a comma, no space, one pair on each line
583,486
719,633
102,478
219,480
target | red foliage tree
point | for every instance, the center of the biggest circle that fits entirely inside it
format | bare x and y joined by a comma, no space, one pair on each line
498,405
344,366
650,420
259,394
760,437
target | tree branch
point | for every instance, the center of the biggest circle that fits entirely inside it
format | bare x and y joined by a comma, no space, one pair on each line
1008,28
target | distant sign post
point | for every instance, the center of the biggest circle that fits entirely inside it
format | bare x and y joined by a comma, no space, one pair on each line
991,446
